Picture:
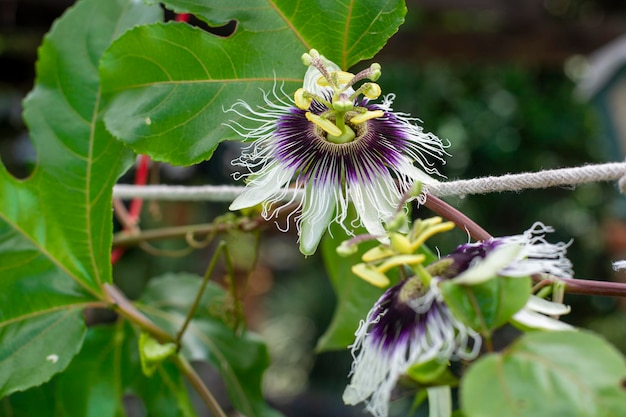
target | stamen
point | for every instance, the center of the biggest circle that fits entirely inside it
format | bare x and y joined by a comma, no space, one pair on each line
338,77
371,275
400,260
302,99
372,90
324,124
368,115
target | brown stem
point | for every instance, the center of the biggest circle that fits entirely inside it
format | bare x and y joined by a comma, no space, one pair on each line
196,301
131,239
196,382
591,287
126,309
461,221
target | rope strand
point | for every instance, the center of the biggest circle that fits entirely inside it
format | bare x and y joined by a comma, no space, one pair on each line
511,182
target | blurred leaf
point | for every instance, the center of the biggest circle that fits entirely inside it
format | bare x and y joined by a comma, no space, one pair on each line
95,383
32,351
489,305
240,359
56,226
170,83
92,384
355,297
574,374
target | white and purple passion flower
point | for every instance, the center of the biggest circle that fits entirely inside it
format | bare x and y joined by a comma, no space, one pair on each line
409,324
330,146
522,255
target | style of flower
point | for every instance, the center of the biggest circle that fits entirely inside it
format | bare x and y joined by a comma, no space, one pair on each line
328,147
409,324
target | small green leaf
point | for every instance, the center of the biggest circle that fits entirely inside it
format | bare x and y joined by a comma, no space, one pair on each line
545,374
169,84
153,353
431,373
488,305
355,297
240,359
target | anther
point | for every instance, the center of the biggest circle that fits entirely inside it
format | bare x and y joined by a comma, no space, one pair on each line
324,124
368,115
302,99
371,90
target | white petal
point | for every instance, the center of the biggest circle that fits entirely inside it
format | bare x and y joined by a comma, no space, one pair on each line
439,401
543,306
369,208
317,212
415,173
533,320
619,265
489,267
262,187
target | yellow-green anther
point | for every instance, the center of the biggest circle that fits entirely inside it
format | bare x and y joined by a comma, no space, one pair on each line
400,260
430,232
307,59
346,249
377,253
400,243
375,72
339,77
368,115
371,275
324,124
397,223
371,90
302,98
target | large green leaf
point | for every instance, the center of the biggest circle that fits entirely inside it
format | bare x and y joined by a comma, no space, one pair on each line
170,83
574,374
355,297
240,359
95,383
55,226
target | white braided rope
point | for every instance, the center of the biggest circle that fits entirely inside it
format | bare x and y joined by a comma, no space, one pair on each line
511,182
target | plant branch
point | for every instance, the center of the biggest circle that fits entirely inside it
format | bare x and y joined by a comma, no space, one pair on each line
125,308
461,221
132,239
591,287
196,382
196,301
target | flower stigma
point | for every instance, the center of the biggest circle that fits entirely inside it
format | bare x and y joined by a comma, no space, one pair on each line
342,105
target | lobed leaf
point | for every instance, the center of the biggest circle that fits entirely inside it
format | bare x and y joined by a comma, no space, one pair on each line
169,84
56,225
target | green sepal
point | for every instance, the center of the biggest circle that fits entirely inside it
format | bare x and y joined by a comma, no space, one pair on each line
152,353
